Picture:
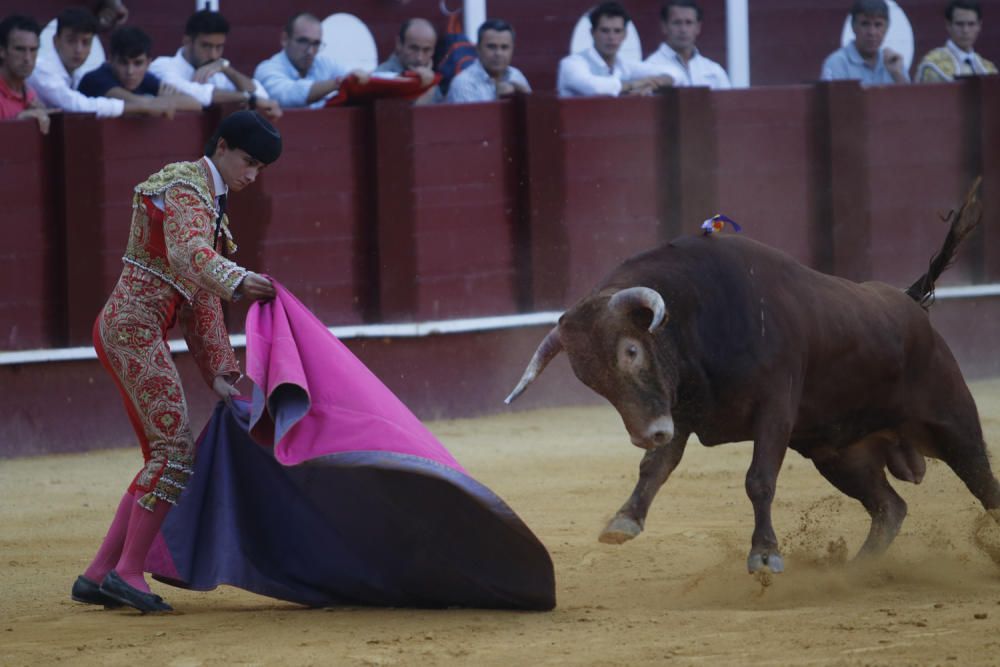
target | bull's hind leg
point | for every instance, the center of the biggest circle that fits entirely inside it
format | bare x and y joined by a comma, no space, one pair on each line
951,431
656,466
859,472
965,453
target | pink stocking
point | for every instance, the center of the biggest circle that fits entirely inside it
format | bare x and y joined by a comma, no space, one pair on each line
143,526
111,548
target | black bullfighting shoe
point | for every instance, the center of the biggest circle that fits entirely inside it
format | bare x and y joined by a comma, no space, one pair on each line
88,592
116,587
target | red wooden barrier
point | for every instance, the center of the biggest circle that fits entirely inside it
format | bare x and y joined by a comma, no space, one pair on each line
987,152
918,166
771,166
424,213
689,182
308,221
466,209
104,161
612,173
31,267
447,183
543,230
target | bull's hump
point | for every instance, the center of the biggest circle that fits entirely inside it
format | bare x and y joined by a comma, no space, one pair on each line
728,257
731,247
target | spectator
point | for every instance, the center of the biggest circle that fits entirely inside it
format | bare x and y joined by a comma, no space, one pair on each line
298,76
18,50
964,21
492,75
864,59
414,53
598,70
199,70
680,21
59,70
127,77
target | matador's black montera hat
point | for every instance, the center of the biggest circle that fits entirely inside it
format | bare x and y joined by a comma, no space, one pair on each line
250,131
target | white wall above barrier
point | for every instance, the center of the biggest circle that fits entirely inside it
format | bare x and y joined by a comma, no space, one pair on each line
473,15
348,41
738,42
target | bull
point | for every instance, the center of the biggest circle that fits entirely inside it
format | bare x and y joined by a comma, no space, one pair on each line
731,340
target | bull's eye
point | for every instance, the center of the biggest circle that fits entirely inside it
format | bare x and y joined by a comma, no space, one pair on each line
630,355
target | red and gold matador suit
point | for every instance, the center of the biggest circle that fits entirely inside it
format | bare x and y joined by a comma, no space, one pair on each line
173,271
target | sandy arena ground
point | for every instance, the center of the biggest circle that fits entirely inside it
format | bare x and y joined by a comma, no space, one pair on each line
679,594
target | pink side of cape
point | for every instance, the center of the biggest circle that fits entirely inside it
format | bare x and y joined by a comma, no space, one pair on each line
349,408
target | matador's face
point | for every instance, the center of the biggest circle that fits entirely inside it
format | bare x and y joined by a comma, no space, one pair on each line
237,167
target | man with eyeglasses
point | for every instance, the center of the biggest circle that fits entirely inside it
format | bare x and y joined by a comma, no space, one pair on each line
964,21
298,76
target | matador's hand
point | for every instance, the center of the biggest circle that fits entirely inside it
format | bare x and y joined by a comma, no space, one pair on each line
226,391
256,288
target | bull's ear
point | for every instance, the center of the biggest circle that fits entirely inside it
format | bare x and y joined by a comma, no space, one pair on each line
642,301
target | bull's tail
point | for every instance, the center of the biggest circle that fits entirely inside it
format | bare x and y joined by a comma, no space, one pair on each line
962,223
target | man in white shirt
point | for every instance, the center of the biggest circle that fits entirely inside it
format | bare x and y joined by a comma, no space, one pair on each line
598,70
59,69
199,70
678,56
491,76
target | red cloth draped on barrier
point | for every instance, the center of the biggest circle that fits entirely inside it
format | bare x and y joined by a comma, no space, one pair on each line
406,86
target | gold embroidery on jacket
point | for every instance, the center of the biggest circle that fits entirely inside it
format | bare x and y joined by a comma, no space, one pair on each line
191,263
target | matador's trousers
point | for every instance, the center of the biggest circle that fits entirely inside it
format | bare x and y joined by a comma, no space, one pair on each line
130,339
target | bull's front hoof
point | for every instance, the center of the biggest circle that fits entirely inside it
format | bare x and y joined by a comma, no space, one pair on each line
773,562
620,529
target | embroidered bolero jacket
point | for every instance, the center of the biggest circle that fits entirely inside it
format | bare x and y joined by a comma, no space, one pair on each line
177,245
180,250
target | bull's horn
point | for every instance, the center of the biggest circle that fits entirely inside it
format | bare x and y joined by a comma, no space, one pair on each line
641,297
547,350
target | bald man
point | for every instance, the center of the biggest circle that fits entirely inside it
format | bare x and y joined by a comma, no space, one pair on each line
415,53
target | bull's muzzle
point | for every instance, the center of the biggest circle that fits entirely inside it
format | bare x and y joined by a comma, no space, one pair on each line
658,433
